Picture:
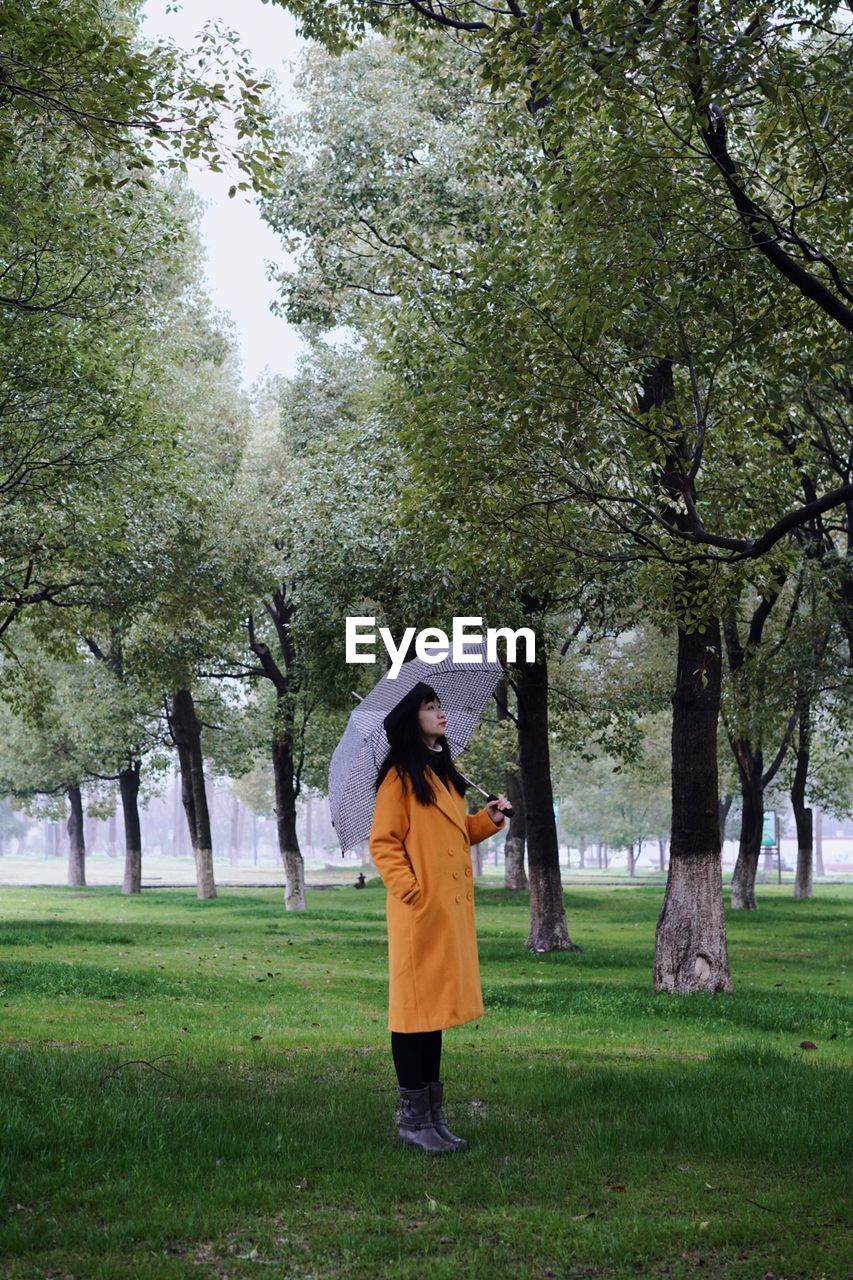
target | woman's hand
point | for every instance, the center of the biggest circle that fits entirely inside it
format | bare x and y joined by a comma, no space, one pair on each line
495,809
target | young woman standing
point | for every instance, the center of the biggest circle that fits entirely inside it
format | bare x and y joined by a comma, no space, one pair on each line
421,841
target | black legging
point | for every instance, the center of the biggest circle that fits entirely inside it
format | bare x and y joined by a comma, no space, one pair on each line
417,1057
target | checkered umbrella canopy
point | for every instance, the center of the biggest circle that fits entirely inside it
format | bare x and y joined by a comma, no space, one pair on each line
464,690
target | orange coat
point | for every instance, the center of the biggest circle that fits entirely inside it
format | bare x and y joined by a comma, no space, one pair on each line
423,854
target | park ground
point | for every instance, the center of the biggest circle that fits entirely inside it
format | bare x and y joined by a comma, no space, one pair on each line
205,1089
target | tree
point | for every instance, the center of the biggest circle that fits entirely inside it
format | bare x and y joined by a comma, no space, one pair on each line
41,758
759,700
85,232
63,734
467,550
699,67
82,74
193,607
600,313
11,826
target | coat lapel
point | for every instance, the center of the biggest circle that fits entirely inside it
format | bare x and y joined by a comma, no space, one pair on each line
447,805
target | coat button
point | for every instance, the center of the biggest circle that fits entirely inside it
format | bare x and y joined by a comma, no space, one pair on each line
455,875
467,871
450,852
469,895
458,899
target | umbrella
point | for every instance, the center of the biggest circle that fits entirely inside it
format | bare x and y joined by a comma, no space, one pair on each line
464,690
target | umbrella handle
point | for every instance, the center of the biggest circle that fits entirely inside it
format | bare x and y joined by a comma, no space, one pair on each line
509,813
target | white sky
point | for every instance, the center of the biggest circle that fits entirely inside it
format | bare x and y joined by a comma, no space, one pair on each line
238,242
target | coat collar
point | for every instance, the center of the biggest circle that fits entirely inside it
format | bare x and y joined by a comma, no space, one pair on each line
446,804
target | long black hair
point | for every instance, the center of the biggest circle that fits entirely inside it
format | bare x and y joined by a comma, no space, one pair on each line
410,754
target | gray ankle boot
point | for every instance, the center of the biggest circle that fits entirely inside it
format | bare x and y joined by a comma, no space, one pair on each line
436,1097
416,1128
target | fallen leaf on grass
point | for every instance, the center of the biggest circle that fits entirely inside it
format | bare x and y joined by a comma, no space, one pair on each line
581,1217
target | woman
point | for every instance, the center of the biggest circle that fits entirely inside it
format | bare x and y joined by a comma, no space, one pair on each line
421,841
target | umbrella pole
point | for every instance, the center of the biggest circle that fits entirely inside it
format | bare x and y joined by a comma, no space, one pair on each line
487,794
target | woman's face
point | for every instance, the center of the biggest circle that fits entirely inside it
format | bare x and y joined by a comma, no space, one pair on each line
431,718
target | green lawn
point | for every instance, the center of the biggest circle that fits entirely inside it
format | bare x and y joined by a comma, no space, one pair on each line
612,1132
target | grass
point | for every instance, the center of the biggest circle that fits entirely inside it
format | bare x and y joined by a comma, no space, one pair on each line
206,1090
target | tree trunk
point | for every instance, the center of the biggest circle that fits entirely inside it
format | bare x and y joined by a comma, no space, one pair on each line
179,827
76,837
581,853
725,806
234,832
128,781
691,952
288,841
844,597
818,842
548,927
185,769
662,853
186,734
515,876
631,861
112,843
309,825
802,815
803,885
750,765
